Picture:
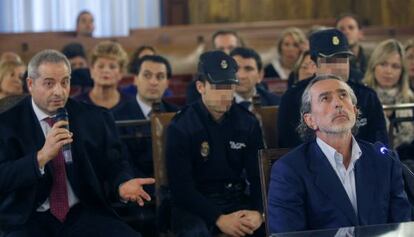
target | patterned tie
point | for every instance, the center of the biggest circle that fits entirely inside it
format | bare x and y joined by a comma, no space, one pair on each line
58,199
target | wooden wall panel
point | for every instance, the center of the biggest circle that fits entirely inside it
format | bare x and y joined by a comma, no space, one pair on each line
376,12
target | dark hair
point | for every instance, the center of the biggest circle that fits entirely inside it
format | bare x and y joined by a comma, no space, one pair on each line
351,15
132,67
72,50
80,14
248,53
156,59
227,32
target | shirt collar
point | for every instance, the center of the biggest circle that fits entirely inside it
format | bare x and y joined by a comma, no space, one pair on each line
334,157
144,107
39,113
238,99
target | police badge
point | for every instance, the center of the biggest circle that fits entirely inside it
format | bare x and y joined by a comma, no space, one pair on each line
204,150
335,40
224,64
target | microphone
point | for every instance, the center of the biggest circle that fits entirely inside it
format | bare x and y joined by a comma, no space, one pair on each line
62,114
394,156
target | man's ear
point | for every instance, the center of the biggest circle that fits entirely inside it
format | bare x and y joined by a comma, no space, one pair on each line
200,87
29,82
310,121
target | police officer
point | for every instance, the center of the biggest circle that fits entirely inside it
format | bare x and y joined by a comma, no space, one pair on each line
211,152
330,51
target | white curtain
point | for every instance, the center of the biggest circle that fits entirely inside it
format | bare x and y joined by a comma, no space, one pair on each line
112,17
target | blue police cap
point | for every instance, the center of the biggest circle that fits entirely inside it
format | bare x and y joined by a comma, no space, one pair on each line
328,43
218,68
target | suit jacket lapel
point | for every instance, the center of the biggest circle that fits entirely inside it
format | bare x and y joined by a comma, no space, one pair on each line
365,182
328,182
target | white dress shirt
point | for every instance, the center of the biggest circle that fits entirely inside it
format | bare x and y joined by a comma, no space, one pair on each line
146,109
346,176
46,128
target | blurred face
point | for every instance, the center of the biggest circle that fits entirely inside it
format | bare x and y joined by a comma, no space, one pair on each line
335,66
307,69
217,98
12,83
51,90
78,62
85,25
248,75
410,61
226,43
388,73
151,81
290,49
349,27
106,72
332,110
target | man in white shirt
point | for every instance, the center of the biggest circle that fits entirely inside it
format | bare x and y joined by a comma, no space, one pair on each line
334,180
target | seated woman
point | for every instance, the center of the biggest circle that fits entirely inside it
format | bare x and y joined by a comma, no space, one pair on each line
107,66
289,48
11,83
387,75
304,68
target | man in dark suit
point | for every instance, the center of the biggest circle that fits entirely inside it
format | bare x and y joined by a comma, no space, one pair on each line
151,81
47,192
334,180
330,51
250,74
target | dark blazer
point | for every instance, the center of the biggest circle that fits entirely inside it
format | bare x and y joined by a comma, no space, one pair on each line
267,98
96,153
374,128
139,151
306,193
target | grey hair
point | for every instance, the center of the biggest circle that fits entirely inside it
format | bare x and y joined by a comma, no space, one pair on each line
305,132
46,56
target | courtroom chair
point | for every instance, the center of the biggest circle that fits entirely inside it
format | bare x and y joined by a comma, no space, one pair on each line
266,159
394,122
142,219
267,117
159,125
276,85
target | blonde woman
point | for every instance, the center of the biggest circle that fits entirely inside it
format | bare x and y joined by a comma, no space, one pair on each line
108,63
387,75
11,78
291,44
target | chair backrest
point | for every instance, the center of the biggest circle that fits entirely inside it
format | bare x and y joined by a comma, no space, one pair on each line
395,121
267,116
266,158
159,124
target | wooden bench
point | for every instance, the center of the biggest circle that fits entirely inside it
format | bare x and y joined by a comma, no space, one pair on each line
266,159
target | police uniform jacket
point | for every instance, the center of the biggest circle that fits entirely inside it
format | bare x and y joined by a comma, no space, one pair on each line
202,154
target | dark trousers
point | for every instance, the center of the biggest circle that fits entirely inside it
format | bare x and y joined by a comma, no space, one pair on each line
80,222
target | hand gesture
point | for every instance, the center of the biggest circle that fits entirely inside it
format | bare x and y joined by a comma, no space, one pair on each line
132,190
